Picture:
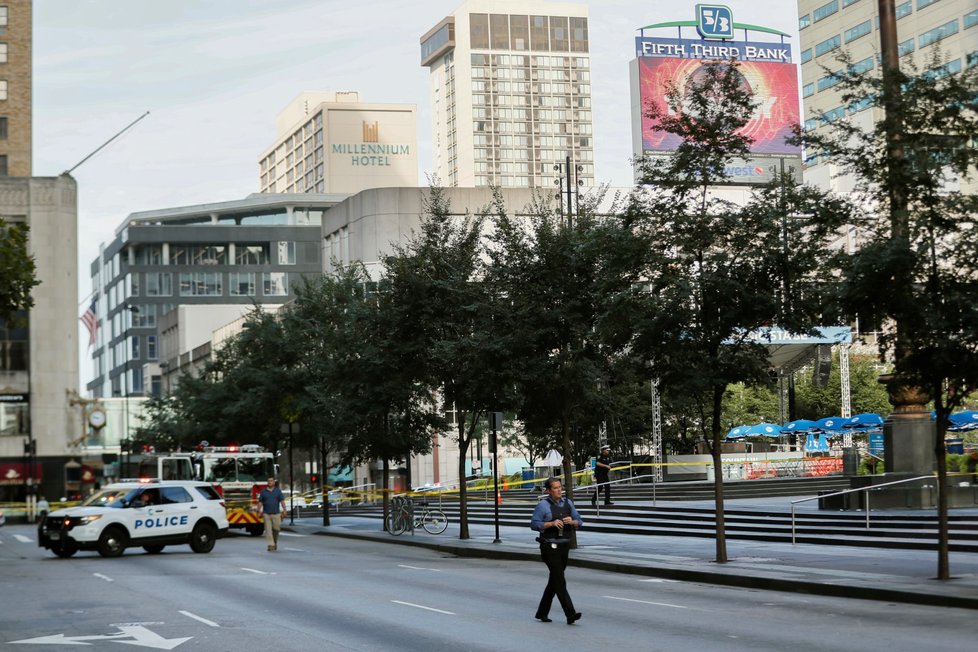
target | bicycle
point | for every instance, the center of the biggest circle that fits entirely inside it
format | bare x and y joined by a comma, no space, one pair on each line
399,518
433,520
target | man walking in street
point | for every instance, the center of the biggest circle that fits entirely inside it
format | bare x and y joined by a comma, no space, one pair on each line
602,467
271,506
555,518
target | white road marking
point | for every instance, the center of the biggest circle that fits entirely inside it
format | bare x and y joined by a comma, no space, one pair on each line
294,549
104,577
198,618
662,580
290,534
658,604
252,570
434,570
596,547
23,539
421,606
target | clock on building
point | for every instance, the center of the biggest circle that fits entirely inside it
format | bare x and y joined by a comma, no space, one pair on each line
96,418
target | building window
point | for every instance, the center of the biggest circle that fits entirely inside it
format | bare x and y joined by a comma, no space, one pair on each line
3,128
938,33
904,9
479,31
862,66
825,10
828,81
924,3
201,284
286,253
3,165
828,45
3,53
135,348
275,284
804,21
158,284
971,19
3,89
3,15
151,352
833,115
806,55
862,29
251,254
846,3
241,284
808,90
906,47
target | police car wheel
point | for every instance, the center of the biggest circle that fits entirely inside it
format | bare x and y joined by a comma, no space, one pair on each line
113,542
203,537
66,551
153,550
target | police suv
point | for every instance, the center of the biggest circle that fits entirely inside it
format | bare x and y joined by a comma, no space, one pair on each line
148,514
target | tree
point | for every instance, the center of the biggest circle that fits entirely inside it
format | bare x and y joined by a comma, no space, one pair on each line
916,268
17,271
554,275
718,273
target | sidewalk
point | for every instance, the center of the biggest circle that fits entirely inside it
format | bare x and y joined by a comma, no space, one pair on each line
846,571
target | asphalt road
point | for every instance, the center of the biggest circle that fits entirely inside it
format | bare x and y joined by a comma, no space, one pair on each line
326,593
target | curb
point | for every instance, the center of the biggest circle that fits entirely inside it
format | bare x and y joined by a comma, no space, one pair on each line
718,577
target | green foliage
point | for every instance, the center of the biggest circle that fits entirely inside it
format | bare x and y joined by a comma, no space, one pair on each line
866,392
17,271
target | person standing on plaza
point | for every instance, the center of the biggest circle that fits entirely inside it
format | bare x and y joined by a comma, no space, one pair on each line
555,518
602,467
271,506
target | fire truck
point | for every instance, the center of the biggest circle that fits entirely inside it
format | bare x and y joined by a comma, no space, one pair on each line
238,473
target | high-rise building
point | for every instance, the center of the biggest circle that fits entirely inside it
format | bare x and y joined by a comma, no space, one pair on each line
331,142
853,25
15,88
510,93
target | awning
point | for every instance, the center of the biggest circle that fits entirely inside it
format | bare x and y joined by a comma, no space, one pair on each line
13,473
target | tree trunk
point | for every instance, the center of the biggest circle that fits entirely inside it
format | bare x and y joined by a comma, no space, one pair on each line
463,502
568,479
323,487
715,452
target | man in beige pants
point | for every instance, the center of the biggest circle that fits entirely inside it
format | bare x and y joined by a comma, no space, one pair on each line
271,506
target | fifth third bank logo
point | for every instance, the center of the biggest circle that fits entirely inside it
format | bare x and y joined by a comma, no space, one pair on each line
714,21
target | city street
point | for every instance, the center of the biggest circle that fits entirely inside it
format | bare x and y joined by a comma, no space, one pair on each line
336,594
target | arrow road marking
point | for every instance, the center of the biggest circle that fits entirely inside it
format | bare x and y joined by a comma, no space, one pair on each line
421,606
138,634
104,577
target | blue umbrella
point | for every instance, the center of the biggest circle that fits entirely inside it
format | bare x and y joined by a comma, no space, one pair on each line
864,420
765,429
963,421
830,424
798,425
737,432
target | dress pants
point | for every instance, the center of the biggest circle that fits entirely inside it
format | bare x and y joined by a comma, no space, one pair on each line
556,561
273,524
606,486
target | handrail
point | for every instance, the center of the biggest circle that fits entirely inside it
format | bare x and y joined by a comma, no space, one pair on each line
851,491
597,485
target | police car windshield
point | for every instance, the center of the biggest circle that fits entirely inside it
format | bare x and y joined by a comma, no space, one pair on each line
106,498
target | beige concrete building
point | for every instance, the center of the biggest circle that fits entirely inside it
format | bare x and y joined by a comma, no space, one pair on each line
826,26
510,93
39,363
15,88
331,142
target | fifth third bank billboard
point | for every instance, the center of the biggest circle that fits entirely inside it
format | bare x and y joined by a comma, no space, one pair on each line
774,86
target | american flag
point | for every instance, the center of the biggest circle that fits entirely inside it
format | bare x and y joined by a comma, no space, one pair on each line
90,319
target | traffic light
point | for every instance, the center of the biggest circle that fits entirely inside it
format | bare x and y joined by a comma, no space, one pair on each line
30,447
314,478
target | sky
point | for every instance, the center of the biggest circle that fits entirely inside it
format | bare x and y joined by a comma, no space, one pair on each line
214,74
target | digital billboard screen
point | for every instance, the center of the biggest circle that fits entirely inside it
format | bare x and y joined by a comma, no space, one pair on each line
775,88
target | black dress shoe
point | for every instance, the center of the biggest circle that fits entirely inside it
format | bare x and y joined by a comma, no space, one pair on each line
573,618
543,619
